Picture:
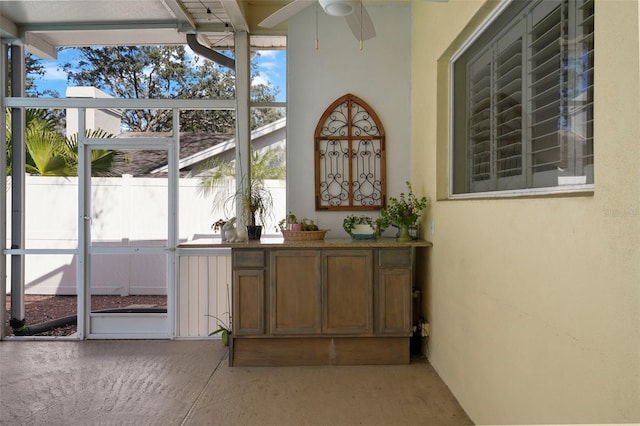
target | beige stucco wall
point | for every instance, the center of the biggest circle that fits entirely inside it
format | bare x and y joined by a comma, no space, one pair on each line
534,302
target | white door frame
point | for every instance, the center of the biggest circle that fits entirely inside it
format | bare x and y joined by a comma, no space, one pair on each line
133,325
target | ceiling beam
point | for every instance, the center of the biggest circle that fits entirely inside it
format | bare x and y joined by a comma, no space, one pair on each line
103,26
33,43
236,15
40,47
177,7
8,30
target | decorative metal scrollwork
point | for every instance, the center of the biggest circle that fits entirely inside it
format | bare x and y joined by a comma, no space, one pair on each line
349,157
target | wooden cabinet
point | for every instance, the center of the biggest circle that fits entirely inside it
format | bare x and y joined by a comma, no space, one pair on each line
322,304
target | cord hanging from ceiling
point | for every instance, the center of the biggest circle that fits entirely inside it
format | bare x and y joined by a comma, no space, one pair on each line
317,43
361,41
211,15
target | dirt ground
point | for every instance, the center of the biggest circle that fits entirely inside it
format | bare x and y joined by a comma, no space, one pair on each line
40,308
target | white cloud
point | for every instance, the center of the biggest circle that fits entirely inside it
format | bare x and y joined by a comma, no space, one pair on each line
261,79
271,54
269,65
54,73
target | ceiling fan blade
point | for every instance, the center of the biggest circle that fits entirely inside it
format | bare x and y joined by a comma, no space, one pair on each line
361,24
285,13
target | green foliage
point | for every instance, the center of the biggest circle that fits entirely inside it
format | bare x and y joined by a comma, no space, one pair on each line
309,225
266,164
154,72
255,199
48,153
378,225
104,162
404,210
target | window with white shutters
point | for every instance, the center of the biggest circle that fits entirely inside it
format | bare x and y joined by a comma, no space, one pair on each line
523,100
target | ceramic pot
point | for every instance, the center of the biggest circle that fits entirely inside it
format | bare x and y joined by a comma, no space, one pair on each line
254,232
404,234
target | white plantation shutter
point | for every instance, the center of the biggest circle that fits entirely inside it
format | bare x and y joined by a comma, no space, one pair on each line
545,88
527,100
480,118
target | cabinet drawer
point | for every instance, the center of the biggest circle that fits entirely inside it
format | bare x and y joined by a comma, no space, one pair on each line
394,258
248,259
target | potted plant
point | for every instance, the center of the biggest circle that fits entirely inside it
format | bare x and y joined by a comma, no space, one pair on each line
309,225
218,225
256,204
224,327
362,227
404,211
292,222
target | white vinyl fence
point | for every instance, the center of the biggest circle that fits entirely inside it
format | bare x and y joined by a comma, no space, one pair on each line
126,211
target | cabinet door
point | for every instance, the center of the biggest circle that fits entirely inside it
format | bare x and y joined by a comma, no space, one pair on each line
295,292
248,302
394,303
348,292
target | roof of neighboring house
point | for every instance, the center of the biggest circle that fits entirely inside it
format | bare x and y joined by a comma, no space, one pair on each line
143,163
190,161
195,148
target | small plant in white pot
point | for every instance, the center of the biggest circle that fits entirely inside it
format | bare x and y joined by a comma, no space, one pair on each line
362,227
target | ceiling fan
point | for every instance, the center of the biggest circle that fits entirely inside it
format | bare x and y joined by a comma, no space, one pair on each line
353,11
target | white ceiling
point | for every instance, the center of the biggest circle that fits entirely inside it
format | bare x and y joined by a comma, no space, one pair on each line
44,25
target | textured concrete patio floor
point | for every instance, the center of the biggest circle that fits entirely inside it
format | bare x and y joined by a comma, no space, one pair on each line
136,382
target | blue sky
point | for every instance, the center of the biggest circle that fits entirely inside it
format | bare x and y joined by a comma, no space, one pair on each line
271,65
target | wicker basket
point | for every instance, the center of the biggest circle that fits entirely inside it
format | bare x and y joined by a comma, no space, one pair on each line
303,235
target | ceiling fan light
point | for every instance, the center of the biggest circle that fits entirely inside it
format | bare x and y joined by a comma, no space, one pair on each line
338,7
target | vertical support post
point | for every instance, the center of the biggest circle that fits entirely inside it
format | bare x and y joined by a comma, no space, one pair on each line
3,183
243,123
18,122
84,228
172,238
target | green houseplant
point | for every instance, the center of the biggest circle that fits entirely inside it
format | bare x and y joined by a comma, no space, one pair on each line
256,205
362,227
224,327
404,211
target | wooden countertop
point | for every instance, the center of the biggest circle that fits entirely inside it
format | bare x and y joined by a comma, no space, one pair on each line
267,242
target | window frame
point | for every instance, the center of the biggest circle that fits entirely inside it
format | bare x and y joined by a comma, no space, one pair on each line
480,31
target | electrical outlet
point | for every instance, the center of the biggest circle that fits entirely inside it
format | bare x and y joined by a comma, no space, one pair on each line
424,329
432,227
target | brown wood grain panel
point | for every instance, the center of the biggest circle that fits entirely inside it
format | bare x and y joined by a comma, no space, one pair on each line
320,351
296,298
248,302
348,292
248,258
395,298
400,257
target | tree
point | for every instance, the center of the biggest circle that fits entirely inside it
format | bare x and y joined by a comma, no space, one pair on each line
267,164
48,153
152,72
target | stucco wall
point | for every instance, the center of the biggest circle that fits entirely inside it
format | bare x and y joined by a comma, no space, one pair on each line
534,302
380,74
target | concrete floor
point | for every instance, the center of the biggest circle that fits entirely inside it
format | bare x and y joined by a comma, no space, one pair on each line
135,382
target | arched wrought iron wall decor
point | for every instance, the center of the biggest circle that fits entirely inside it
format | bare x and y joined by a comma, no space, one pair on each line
350,157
